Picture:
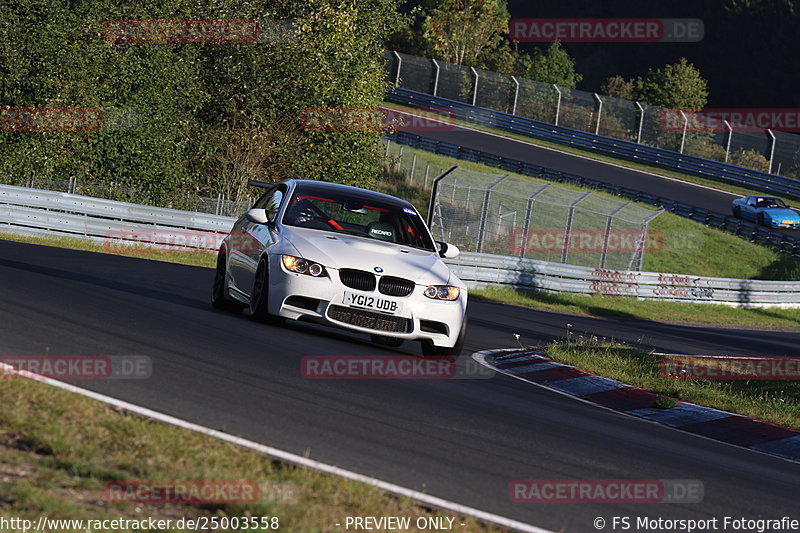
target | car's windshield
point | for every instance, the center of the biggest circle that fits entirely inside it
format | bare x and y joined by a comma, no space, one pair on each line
770,202
357,215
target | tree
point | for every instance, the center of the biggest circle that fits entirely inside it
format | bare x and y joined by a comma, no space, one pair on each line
618,87
676,86
554,65
459,31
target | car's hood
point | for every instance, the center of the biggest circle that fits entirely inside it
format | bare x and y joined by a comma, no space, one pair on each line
781,213
335,250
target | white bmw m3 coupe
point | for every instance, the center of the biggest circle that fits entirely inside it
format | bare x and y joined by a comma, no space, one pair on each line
345,257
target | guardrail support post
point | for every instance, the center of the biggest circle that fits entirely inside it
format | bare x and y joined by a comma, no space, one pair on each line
730,136
599,113
399,64
516,95
771,150
475,92
685,127
558,103
641,122
436,79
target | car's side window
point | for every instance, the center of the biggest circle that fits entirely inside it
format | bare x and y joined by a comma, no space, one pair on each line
271,200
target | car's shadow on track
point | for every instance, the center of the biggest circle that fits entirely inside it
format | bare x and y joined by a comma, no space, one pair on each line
98,281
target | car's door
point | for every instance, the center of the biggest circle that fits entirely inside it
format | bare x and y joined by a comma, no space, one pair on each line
252,239
749,209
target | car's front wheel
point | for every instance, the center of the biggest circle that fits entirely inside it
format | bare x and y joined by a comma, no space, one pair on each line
428,348
259,296
219,299
761,220
737,212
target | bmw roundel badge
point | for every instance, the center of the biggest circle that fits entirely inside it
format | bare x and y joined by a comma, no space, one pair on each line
378,270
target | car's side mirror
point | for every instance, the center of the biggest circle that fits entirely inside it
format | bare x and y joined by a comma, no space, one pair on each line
257,216
447,250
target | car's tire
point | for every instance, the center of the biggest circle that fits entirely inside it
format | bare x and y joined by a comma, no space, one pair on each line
737,212
428,348
760,219
219,299
392,342
259,296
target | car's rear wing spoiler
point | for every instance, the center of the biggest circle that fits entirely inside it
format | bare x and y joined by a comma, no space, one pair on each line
262,184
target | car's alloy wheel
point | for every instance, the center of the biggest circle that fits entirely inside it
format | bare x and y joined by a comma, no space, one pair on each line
428,348
259,296
218,296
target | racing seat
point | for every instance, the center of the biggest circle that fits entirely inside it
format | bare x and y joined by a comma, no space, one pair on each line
381,231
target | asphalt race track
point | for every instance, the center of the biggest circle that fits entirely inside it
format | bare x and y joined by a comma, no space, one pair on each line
463,440
708,198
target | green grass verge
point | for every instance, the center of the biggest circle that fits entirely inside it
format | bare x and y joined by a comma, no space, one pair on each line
629,307
735,189
58,449
772,401
204,259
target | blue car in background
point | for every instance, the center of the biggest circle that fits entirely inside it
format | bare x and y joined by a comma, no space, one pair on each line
766,211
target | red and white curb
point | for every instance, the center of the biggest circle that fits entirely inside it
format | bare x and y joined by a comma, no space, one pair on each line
533,367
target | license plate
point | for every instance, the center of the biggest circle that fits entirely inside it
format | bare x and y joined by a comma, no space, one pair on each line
788,222
366,301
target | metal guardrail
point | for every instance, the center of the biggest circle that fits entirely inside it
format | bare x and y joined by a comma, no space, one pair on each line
480,270
748,230
40,212
600,144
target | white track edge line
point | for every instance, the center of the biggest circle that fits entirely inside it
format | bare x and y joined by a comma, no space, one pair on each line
286,456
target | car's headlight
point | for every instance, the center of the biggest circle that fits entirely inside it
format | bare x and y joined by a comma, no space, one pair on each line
303,266
442,292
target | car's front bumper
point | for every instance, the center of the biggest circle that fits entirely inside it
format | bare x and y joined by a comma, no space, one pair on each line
299,296
786,224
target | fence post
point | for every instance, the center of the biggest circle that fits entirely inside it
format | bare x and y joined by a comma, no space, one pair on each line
641,122
599,113
475,92
558,103
427,170
435,190
436,80
485,211
685,127
399,64
526,225
388,142
413,166
771,150
604,253
730,136
565,251
516,95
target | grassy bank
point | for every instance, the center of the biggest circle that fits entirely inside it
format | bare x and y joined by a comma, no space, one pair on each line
772,401
59,449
